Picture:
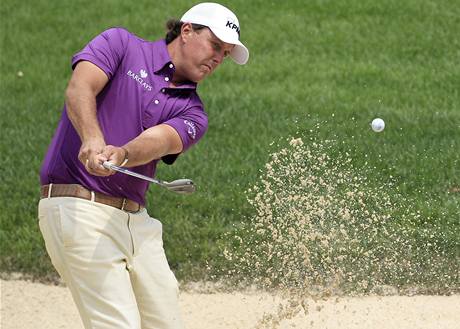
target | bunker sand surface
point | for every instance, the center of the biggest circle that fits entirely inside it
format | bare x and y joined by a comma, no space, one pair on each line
26,305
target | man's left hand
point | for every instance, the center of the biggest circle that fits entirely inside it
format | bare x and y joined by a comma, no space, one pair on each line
115,155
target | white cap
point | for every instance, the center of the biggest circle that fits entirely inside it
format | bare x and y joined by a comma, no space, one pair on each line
223,23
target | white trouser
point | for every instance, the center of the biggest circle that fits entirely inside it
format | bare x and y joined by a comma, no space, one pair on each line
113,262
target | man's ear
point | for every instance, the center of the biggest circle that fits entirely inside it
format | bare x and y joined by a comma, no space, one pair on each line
186,31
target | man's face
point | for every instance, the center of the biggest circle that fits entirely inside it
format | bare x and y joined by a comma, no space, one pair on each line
203,53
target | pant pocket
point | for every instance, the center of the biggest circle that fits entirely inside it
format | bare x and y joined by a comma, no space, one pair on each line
67,223
152,228
50,228
55,222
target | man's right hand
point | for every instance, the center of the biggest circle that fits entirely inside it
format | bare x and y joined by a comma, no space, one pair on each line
92,157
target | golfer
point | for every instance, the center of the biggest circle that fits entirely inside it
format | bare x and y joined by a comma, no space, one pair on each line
131,102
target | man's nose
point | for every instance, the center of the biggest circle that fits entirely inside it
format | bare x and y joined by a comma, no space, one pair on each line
218,57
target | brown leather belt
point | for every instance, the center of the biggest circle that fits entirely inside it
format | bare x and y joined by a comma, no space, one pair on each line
78,191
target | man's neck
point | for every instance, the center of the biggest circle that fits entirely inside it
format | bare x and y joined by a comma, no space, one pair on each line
174,53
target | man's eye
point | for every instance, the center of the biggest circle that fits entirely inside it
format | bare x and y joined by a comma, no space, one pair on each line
216,46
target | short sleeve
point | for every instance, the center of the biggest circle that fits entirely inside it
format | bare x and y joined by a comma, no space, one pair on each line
105,51
191,125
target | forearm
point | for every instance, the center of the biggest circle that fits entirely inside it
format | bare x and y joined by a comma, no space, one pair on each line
152,144
86,83
81,109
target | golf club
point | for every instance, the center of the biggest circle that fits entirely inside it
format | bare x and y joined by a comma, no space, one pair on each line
181,186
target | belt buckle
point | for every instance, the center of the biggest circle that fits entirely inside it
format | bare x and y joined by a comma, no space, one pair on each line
123,204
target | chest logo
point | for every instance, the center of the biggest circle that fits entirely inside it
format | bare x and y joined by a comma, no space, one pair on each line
139,78
143,74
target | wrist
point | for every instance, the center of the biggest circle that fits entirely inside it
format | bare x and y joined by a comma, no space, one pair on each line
93,140
126,157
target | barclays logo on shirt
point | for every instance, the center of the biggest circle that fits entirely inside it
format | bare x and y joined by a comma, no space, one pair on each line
143,74
139,78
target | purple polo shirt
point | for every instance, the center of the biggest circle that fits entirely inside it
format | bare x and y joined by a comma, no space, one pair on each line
136,98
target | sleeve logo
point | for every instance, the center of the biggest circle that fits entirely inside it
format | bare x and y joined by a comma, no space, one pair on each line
191,129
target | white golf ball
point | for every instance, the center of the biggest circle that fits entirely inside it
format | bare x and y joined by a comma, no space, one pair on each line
378,125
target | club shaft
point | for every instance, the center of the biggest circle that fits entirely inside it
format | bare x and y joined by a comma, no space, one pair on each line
131,173
181,186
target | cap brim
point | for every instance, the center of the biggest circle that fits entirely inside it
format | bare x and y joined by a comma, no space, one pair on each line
240,54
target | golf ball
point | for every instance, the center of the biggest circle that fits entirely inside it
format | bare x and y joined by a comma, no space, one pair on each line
378,125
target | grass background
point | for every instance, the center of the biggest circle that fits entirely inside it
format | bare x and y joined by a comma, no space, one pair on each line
316,67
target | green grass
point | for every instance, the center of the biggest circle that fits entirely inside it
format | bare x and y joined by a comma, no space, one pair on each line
318,67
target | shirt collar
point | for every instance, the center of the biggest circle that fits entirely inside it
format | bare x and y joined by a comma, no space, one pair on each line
161,56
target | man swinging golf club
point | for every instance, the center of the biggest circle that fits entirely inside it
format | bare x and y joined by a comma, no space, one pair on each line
130,102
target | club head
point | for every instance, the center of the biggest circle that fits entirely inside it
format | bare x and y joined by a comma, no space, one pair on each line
181,186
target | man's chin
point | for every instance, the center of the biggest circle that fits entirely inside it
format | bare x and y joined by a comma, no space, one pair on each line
201,76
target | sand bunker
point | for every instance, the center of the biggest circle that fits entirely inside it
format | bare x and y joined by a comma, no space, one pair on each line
321,228
27,305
